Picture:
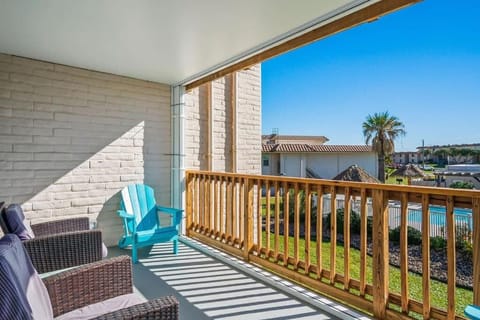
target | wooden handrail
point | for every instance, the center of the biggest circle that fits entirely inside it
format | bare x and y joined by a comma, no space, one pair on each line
267,220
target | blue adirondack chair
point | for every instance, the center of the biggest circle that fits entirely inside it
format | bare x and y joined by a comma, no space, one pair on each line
145,223
472,312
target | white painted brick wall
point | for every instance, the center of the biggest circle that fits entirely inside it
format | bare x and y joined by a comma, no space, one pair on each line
71,139
249,105
248,124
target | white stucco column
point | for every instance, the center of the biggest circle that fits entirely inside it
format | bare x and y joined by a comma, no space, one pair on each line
178,168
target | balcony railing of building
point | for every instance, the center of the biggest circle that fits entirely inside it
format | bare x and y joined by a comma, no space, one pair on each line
272,222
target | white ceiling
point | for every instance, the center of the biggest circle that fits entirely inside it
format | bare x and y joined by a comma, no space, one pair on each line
166,41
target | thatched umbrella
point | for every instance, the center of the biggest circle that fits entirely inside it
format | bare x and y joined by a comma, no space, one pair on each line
410,171
355,173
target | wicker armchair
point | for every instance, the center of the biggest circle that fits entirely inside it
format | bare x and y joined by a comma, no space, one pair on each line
61,244
55,251
98,281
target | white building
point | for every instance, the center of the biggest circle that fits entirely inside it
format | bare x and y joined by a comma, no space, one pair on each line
316,161
459,173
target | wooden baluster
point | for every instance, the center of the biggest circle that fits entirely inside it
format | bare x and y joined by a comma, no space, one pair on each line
259,216
207,216
267,217
222,204
248,219
319,230
451,259
277,220
380,254
476,250
201,202
404,251
189,204
308,206
235,210
242,209
333,234
296,226
228,216
346,240
196,217
215,207
426,256
363,240
286,227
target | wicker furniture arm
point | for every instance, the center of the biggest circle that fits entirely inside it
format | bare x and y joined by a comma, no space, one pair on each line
60,226
64,250
164,308
88,284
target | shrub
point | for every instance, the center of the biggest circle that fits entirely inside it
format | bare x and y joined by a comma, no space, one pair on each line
355,222
413,235
467,248
462,185
438,243
464,239
291,208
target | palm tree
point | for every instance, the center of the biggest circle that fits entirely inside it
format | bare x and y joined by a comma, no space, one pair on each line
381,130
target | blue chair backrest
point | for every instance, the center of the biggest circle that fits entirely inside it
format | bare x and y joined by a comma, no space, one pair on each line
139,200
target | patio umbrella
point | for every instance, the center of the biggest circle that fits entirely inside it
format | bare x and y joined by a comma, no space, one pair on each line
410,171
357,174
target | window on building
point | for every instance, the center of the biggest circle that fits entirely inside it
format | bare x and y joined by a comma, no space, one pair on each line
266,162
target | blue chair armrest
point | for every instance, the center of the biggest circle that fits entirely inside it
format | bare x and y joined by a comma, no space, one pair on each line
472,311
125,215
177,213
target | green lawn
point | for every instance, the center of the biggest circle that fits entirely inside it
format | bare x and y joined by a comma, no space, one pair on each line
438,291
272,205
393,180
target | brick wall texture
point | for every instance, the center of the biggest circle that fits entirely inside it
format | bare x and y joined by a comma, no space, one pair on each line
71,139
248,118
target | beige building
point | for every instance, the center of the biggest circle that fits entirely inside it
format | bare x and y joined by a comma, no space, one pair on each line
406,157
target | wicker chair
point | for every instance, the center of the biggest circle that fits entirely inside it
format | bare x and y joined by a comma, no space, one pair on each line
61,244
98,281
98,290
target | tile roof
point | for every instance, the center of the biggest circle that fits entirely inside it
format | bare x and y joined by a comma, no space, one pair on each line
298,148
292,137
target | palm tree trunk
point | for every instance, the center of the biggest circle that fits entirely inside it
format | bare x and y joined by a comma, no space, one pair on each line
381,168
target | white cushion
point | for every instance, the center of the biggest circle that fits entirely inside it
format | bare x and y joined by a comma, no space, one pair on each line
104,250
110,305
38,298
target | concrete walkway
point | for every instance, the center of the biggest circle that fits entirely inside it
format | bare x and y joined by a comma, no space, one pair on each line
209,288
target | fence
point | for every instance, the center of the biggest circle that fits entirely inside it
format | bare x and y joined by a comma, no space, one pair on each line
438,217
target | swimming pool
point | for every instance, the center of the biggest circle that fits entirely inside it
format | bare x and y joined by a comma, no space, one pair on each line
437,215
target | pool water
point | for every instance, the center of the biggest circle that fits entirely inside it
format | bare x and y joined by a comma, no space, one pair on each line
437,215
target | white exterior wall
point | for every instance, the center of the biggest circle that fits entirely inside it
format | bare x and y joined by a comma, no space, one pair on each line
249,121
71,139
327,165
248,117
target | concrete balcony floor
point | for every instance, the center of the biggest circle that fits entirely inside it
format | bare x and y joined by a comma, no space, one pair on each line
210,284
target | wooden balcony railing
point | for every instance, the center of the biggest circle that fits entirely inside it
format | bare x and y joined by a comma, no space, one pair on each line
287,225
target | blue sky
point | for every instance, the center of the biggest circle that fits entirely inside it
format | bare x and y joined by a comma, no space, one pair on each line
422,64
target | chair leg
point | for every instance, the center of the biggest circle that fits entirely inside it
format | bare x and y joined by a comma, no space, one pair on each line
134,253
175,246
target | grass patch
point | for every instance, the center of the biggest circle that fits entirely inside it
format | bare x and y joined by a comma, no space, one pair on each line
438,289
272,205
